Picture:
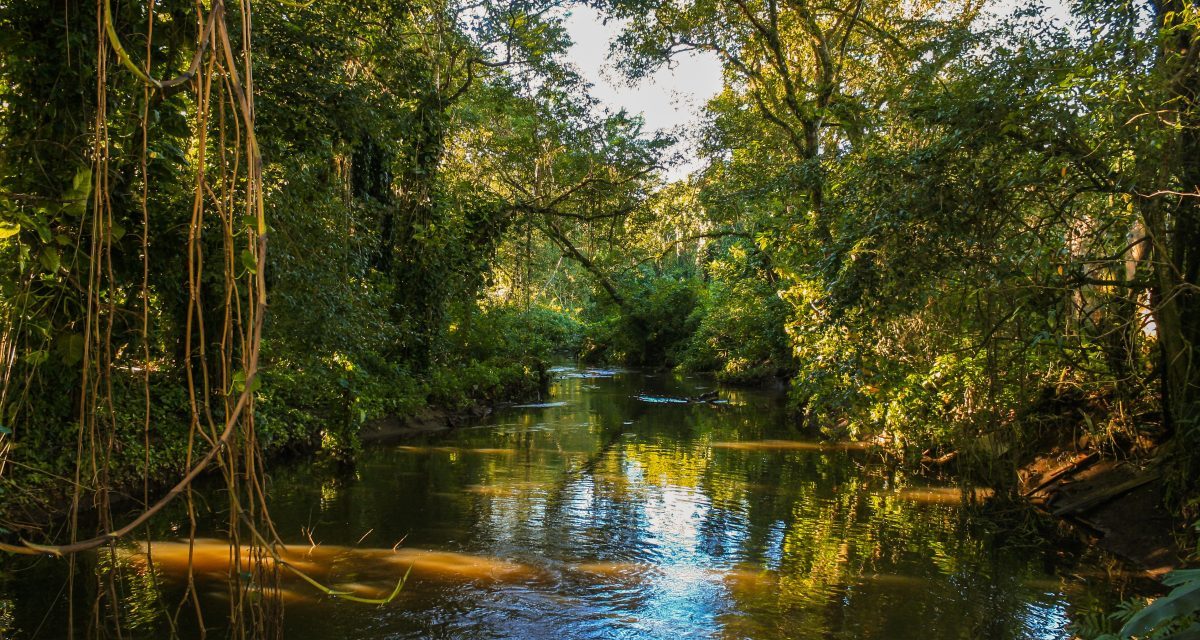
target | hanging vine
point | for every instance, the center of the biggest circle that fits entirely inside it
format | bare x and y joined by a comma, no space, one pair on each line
220,363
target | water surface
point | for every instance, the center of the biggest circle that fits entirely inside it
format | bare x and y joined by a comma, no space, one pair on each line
615,508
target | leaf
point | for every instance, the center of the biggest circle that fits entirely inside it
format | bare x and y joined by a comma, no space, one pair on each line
79,193
1183,601
37,357
49,259
249,261
39,225
1181,577
1191,633
70,348
239,382
82,180
9,229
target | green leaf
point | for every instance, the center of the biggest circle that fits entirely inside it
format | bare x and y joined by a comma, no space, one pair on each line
39,225
37,357
82,180
249,261
70,348
80,192
1183,601
9,229
1191,633
1180,577
49,259
239,382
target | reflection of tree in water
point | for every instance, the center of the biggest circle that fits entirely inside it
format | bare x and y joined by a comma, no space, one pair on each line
7,621
634,512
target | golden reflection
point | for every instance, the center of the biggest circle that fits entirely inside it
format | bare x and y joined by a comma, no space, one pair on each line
665,467
507,489
790,445
749,581
943,495
454,450
7,617
366,572
623,571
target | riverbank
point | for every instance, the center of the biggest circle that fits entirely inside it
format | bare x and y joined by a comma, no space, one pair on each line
426,422
1117,505
324,425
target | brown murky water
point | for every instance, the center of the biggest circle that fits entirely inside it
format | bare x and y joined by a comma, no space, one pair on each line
614,511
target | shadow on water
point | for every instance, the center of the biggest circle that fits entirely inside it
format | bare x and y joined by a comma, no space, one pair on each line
599,514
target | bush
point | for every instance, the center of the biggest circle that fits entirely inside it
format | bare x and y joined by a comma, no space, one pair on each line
652,327
740,325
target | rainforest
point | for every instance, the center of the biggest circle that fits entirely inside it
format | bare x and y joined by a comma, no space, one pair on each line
379,319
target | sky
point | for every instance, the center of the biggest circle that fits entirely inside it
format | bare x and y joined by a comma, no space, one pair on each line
672,98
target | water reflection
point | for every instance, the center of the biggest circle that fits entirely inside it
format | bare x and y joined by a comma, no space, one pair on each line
365,571
600,515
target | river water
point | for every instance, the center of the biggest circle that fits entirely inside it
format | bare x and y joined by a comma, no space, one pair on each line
615,510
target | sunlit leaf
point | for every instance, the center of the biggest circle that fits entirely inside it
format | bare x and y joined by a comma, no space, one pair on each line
249,261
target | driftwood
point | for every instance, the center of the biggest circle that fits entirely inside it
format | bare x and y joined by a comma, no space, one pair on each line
1078,464
1093,499
940,460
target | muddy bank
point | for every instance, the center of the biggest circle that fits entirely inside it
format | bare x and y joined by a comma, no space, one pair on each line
1116,505
427,421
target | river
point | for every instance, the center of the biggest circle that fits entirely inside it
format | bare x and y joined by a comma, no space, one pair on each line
615,509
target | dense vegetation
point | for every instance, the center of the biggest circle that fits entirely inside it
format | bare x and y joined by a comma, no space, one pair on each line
958,229
949,228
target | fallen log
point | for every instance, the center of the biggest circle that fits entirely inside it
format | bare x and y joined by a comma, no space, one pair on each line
1078,464
940,460
1091,500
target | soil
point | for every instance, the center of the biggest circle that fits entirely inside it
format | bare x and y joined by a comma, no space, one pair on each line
428,421
1116,505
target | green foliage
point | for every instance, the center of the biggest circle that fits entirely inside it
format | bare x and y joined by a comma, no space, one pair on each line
651,328
384,223
740,323
501,353
1175,616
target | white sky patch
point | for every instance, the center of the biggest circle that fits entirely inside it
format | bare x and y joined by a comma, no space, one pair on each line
672,100
1056,11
